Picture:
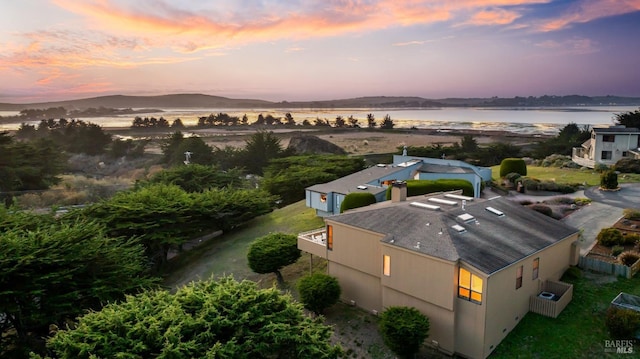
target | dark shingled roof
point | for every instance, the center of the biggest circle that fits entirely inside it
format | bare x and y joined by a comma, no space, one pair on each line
489,242
350,183
616,130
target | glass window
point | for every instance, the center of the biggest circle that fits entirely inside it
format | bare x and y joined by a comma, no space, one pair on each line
386,265
606,155
536,265
519,277
330,237
323,197
608,138
469,286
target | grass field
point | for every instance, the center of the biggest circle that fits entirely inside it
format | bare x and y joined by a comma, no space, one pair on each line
568,175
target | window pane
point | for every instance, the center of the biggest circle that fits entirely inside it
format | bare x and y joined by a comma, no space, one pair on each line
464,279
476,297
329,237
386,265
464,293
476,284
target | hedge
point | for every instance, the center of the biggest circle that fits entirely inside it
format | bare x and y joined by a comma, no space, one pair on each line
510,165
420,187
356,200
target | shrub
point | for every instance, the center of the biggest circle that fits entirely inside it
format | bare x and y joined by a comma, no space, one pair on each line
616,250
630,213
318,291
356,200
630,238
622,323
628,165
403,330
531,184
582,201
572,273
512,177
546,210
628,258
420,187
599,167
609,180
510,165
609,237
268,254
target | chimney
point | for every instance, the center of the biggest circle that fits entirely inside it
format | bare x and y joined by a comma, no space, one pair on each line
398,191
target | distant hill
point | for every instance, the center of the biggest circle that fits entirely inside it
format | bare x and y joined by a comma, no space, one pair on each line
210,102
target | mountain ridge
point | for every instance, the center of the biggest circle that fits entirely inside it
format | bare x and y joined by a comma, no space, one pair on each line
198,100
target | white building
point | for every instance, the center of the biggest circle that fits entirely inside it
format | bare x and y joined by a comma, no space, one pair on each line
607,146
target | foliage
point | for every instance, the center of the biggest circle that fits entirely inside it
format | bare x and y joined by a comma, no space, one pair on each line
197,178
559,161
600,168
52,270
512,177
609,180
319,291
163,216
221,119
371,121
356,200
175,147
541,208
149,123
569,136
212,319
572,273
609,237
404,330
289,176
468,144
270,253
74,136
127,148
29,165
628,258
616,250
631,213
387,123
628,165
420,187
261,147
513,165
622,323
628,119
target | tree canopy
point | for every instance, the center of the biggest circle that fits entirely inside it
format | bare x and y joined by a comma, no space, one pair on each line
210,319
53,270
270,253
197,178
629,119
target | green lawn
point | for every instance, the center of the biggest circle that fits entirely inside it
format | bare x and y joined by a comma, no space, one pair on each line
579,332
568,175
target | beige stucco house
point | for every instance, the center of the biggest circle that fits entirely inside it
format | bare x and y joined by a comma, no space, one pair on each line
474,266
607,146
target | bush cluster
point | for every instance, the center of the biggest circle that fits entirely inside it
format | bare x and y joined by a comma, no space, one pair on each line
403,330
630,213
560,161
510,165
622,323
628,258
616,250
609,237
319,291
628,165
609,180
357,200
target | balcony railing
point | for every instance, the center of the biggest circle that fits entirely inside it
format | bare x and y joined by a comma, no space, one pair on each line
580,156
314,242
552,307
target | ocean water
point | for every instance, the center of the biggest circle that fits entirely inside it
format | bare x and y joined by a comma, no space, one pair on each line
520,120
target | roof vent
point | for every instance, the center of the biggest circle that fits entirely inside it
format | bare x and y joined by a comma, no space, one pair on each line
497,212
466,217
442,201
458,197
381,165
425,206
361,187
459,228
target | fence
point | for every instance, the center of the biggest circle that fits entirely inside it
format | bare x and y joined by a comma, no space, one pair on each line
597,265
552,308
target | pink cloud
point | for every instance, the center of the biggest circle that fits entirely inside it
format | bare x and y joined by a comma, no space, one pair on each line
493,17
589,10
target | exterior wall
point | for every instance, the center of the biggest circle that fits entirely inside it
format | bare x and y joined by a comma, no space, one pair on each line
470,319
356,261
506,305
623,142
312,200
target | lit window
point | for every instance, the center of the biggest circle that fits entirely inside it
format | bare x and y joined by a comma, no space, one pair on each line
519,277
330,237
469,286
323,197
536,265
386,265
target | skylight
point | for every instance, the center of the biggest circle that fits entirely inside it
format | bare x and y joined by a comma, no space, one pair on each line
425,206
466,217
361,187
459,197
442,201
459,228
497,212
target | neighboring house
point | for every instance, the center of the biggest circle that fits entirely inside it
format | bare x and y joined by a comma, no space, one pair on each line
607,145
326,198
474,266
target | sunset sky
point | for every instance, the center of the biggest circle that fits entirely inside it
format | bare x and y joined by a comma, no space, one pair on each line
318,49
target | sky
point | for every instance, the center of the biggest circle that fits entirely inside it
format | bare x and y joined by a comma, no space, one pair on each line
297,50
